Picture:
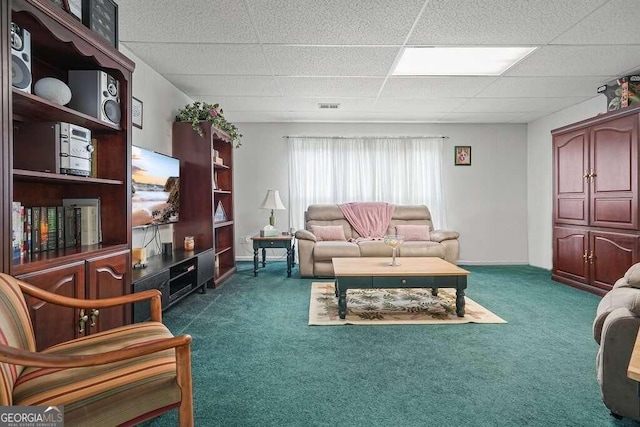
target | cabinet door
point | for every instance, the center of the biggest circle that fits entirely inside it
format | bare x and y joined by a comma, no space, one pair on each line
109,276
570,186
570,251
54,324
614,153
610,256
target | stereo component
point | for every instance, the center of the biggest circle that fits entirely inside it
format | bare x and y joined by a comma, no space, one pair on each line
54,147
95,93
20,58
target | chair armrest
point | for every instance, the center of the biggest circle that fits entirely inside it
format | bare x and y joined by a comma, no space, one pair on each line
440,235
21,357
154,295
305,235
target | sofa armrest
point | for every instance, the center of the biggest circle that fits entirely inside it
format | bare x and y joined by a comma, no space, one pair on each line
305,235
440,235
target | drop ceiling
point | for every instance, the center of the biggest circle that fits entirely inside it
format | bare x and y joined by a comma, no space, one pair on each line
276,60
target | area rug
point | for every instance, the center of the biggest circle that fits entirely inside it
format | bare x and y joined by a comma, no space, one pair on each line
393,307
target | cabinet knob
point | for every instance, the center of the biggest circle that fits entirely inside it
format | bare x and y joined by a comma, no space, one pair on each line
585,256
591,257
404,282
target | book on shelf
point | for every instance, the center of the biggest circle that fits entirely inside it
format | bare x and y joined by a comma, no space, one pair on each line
60,225
52,228
27,229
35,229
17,229
44,229
97,217
69,226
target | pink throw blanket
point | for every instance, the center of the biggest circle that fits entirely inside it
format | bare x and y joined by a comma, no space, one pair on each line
369,219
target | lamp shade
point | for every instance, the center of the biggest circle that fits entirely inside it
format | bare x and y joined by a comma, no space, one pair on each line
272,201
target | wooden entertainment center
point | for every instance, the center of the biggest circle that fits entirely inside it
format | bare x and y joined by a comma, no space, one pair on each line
596,226
59,43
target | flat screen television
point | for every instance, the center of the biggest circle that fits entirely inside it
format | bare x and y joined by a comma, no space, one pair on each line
155,179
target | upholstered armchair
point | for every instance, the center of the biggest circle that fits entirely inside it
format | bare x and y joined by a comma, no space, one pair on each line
615,329
121,376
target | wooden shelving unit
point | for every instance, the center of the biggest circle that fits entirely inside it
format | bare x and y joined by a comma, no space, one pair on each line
203,185
60,43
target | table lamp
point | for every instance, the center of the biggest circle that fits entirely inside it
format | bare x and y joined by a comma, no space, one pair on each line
272,201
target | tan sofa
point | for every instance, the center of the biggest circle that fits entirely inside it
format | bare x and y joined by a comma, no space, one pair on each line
314,257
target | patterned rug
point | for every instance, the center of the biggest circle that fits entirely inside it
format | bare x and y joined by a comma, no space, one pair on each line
393,307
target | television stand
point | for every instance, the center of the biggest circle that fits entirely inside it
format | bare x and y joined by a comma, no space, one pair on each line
176,275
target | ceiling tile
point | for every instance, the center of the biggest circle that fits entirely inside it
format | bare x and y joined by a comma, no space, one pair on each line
330,61
363,87
512,22
423,105
202,85
577,61
245,103
190,58
532,87
261,116
517,105
353,22
434,87
346,104
329,116
404,117
597,28
483,118
193,21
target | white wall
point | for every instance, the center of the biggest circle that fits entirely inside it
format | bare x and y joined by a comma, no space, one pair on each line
161,101
539,176
486,202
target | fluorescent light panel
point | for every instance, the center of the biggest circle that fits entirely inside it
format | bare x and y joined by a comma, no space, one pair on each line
459,61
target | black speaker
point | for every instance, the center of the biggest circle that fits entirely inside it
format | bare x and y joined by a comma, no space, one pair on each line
95,93
20,58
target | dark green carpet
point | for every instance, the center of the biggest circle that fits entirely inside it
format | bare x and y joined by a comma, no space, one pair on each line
256,362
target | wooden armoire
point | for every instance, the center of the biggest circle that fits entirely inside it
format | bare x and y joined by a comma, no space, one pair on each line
596,231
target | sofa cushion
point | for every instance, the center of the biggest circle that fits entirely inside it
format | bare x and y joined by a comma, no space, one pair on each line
413,232
325,251
421,249
374,248
632,276
328,232
622,297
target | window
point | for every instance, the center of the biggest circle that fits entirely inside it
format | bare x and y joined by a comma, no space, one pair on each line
340,170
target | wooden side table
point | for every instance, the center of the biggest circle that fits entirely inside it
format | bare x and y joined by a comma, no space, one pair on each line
285,241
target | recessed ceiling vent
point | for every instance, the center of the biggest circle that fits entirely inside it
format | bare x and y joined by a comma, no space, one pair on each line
328,106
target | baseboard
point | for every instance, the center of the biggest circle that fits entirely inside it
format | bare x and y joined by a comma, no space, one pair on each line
461,262
269,258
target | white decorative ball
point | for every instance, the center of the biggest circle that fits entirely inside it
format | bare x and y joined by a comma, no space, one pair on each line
53,90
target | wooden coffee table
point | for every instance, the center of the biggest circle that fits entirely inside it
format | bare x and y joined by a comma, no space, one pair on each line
370,273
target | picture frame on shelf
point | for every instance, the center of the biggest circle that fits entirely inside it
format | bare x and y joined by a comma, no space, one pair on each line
74,7
462,155
60,4
136,112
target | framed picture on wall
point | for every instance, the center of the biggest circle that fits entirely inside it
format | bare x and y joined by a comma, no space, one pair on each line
462,155
136,112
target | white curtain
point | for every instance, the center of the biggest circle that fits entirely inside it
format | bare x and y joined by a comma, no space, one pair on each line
340,170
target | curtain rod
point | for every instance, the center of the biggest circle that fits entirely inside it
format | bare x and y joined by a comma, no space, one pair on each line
368,137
